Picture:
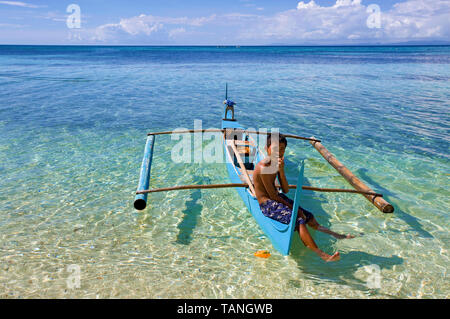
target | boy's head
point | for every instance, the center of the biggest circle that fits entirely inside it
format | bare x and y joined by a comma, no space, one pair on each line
276,146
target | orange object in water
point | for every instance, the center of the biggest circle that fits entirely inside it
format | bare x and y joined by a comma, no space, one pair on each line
262,254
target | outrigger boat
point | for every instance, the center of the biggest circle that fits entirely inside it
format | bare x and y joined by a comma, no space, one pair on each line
238,143
242,154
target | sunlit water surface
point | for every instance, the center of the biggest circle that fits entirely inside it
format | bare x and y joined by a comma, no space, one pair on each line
73,123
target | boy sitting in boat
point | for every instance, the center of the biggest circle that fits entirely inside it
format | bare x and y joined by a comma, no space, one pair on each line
278,206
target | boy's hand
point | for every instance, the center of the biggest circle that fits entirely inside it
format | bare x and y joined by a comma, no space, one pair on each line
281,163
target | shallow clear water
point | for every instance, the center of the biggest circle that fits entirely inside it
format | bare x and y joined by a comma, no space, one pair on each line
73,123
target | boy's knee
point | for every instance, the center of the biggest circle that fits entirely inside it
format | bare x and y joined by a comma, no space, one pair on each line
313,224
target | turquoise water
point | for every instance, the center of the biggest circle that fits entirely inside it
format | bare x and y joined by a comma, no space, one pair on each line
73,123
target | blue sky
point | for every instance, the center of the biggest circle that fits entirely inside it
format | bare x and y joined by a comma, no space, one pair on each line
252,22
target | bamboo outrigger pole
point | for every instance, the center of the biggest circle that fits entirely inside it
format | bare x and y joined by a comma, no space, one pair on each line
211,186
379,202
234,131
360,187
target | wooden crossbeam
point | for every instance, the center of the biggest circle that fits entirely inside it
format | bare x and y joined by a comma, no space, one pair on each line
211,186
234,131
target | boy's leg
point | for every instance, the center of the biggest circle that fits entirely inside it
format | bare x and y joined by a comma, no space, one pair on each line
308,241
314,224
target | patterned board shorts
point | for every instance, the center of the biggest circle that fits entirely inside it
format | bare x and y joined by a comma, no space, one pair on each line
281,213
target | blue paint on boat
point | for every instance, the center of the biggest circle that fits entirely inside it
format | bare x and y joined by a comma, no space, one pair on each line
279,234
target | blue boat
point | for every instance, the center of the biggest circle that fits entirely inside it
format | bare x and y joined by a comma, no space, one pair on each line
242,154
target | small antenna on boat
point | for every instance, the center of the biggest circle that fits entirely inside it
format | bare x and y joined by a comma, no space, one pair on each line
226,91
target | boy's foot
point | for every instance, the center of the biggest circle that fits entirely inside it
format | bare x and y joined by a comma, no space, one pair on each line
348,236
328,258
335,257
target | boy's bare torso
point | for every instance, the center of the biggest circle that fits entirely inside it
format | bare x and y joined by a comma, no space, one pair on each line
263,194
264,177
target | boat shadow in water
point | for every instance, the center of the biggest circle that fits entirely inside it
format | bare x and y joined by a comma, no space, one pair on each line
191,215
410,220
354,267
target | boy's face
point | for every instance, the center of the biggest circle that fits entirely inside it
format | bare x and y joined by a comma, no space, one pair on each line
277,149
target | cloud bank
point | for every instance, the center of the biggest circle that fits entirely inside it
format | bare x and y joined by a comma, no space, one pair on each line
345,22
20,4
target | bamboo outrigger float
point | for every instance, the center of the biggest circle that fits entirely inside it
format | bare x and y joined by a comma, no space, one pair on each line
240,167
377,200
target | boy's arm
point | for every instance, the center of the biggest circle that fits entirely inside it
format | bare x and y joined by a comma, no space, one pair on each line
282,177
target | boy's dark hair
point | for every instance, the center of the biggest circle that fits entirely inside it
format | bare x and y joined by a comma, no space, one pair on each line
281,139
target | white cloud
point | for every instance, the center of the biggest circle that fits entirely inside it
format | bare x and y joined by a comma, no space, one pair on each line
20,4
12,25
344,22
417,19
198,22
175,32
346,3
301,5
148,25
138,25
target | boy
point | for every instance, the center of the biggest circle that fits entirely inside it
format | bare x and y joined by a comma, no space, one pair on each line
278,206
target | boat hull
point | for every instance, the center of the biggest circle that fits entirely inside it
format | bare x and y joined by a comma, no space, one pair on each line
279,234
